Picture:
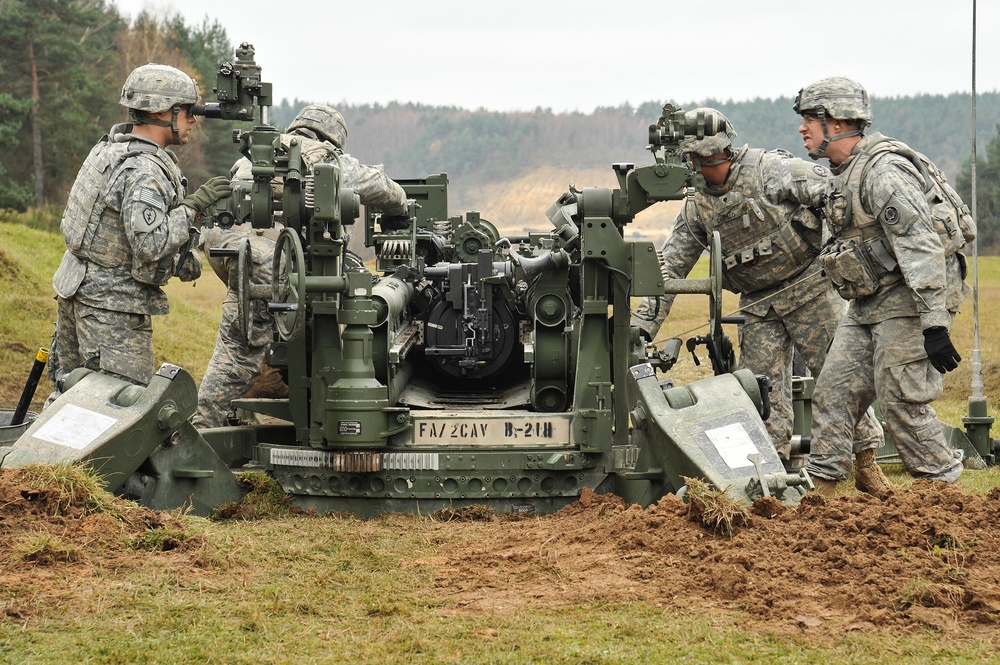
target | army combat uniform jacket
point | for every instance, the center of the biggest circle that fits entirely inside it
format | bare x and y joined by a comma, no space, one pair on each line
769,235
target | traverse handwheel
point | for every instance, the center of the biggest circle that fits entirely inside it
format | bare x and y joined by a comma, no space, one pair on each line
288,285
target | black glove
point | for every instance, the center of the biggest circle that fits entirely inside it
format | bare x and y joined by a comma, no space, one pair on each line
645,336
940,351
207,194
394,222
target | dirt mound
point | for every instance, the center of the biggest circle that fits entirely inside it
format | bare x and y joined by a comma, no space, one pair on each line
927,557
56,522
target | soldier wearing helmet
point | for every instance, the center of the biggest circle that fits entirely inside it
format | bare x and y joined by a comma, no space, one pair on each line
321,123
127,227
836,102
887,259
236,366
764,205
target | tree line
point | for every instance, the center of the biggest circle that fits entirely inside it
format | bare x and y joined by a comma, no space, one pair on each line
62,63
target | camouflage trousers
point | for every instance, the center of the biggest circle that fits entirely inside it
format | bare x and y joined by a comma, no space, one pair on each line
116,343
767,344
233,368
884,361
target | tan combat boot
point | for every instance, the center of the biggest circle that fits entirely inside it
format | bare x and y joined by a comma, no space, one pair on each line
825,488
868,476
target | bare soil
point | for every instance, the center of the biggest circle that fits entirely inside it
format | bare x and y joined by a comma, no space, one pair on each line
927,557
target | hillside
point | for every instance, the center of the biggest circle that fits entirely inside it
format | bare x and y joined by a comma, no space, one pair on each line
414,139
519,204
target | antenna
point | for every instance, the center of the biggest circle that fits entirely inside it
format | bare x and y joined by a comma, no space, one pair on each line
978,422
977,363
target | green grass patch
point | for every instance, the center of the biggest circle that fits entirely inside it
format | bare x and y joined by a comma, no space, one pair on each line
45,549
67,486
263,498
46,218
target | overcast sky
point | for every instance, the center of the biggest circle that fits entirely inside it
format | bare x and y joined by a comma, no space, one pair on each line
576,55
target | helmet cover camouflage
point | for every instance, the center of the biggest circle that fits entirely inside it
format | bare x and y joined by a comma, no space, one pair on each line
324,121
709,145
156,88
837,97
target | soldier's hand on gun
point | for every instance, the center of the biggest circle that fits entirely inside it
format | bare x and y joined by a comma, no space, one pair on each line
940,351
207,194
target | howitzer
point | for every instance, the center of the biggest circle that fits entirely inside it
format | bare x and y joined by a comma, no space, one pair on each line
466,367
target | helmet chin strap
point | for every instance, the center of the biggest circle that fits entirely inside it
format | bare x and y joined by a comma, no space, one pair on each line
827,138
175,135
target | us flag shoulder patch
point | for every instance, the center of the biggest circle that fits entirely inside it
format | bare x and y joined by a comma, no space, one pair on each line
150,197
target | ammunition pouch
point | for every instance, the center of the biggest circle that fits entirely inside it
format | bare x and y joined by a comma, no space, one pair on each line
157,274
859,269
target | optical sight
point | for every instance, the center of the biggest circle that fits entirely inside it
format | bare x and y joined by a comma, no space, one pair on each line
673,126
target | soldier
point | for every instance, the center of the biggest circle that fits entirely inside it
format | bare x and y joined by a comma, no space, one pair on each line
904,289
127,227
762,204
236,366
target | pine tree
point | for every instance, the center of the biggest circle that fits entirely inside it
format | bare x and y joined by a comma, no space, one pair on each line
55,53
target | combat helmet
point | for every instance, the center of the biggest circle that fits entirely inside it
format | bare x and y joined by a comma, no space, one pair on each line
836,97
324,121
156,88
720,142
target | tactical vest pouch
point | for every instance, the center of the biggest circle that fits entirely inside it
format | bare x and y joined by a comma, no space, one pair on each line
952,221
69,276
188,267
859,269
157,274
849,269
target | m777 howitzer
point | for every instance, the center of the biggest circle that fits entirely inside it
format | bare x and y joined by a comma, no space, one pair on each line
466,368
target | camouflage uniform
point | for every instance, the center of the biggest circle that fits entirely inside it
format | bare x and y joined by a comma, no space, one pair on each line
770,242
235,365
878,350
124,229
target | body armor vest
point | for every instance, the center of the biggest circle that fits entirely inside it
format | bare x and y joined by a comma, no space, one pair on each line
92,228
859,259
761,245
